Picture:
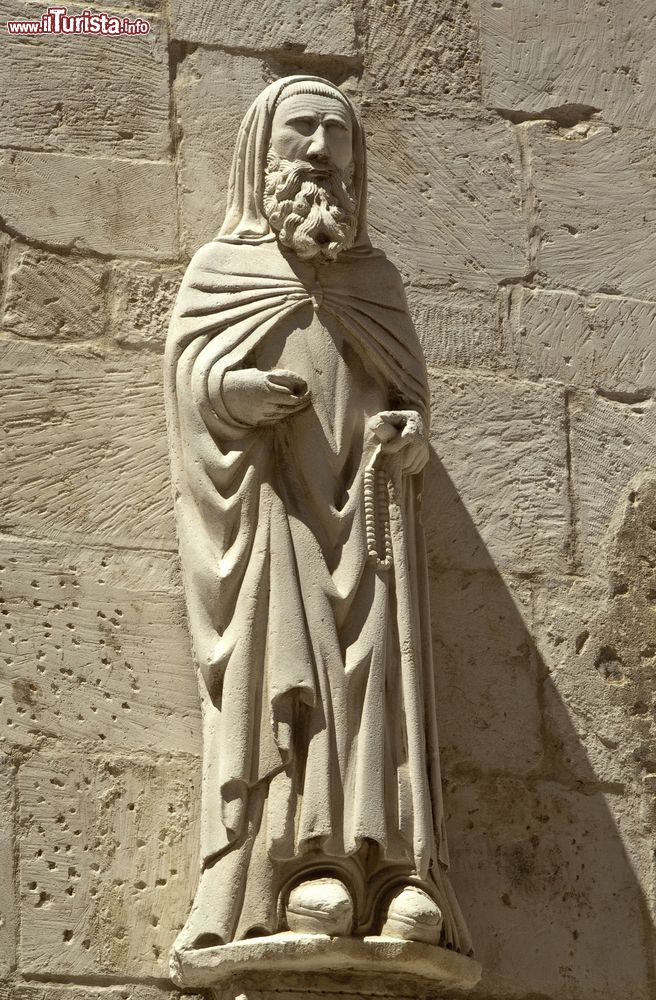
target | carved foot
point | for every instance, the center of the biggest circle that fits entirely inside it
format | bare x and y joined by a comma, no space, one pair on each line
413,916
322,906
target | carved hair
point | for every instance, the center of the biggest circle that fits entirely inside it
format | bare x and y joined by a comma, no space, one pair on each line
316,87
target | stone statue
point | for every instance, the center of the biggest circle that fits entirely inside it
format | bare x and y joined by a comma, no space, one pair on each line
298,410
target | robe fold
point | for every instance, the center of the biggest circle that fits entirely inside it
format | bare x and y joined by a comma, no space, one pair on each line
309,763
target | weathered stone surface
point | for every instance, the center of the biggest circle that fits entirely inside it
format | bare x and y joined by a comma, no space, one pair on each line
322,28
548,884
112,207
543,54
600,341
444,198
596,199
106,847
70,991
426,49
5,243
598,640
456,329
487,682
94,650
213,91
52,297
83,448
51,106
611,443
221,969
141,299
8,909
495,491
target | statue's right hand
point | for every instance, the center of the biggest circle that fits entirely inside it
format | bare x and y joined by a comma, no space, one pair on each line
254,397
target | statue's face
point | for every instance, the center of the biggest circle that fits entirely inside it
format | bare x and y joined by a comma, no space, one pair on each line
315,129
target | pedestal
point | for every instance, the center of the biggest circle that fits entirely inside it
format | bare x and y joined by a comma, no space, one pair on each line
298,966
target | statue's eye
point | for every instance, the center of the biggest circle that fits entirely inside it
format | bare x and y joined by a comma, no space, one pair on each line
303,125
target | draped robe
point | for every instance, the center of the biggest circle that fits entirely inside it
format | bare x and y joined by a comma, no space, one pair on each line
313,759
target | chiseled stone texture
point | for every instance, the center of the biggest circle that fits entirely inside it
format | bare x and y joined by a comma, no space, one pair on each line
456,329
53,297
54,991
141,299
212,90
423,48
597,207
487,679
322,28
107,863
8,908
598,641
83,451
126,113
94,650
445,199
548,881
598,341
496,484
612,443
110,206
543,54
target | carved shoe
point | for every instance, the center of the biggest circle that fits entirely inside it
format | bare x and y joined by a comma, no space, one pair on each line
413,916
322,906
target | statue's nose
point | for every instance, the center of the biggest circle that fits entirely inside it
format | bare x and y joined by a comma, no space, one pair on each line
318,148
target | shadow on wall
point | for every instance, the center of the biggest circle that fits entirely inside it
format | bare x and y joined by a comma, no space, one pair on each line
550,842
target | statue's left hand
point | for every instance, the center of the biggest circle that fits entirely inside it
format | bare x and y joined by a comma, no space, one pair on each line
402,433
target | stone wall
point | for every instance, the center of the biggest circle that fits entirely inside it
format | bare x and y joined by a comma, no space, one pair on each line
512,164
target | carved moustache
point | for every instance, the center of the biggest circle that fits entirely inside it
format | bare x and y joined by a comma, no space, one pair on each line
311,208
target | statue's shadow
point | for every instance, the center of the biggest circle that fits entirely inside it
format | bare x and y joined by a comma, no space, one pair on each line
553,900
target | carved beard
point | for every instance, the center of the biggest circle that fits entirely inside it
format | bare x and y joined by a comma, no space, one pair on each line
311,215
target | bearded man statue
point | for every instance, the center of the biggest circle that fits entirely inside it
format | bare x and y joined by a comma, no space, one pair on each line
298,411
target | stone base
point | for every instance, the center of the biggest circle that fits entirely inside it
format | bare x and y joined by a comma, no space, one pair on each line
318,964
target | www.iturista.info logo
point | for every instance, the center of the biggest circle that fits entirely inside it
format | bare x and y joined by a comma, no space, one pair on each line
57,21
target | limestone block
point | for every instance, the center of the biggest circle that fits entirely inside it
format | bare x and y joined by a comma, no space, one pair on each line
223,968
598,640
84,448
456,329
8,910
495,492
50,105
594,186
70,991
425,49
106,848
322,28
95,650
137,7
548,883
611,444
113,207
141,299
52,297
487,682
5,243
600,341
212,92
540,54
444,198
